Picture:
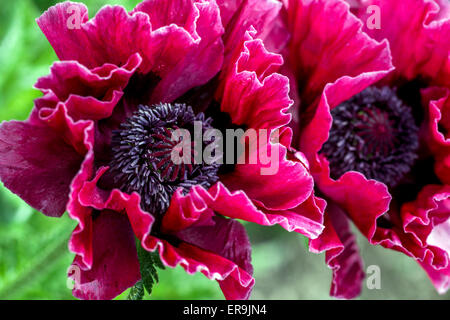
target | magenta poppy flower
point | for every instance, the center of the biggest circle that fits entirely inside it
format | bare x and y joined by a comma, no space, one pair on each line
97,143
418,219
365,127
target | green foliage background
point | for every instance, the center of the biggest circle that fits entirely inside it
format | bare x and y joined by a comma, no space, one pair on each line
33,248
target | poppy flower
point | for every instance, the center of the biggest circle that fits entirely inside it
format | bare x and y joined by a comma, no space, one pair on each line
418,219
365,127
329,59
97,142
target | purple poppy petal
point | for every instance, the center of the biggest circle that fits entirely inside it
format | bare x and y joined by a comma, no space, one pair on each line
421,233
237,205
116,266
291,180
191,220
173,53
417,31
364,209
225,237
203,57
183,208
85,198
80,241
309,215
40,157
93,258
439,237
437,127
257,97
239,16
125,34
164,13
320,48
342,254
373,202
185,211
92,196
250,92
87,94
235,283
318,41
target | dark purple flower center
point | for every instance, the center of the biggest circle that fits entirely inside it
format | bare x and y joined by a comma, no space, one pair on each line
373,133
143,149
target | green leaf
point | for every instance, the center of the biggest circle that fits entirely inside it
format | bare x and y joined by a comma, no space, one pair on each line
157,260
148,262
137,291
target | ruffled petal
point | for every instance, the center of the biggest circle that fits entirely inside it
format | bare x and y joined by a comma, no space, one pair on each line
87,196
437,128
309,215
421,232
93,196
255,96
115,267
235,283
363,207
237,205
200,204
328,49
225,237
68,29
166,50
417,31
164,13
40,157
185,214
203,57
185,211
239,16
268,172
318,40
342,254
439,237
430,209
87,94
206,239
249,90
80,241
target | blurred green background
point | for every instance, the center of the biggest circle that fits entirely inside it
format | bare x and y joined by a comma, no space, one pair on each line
33,248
